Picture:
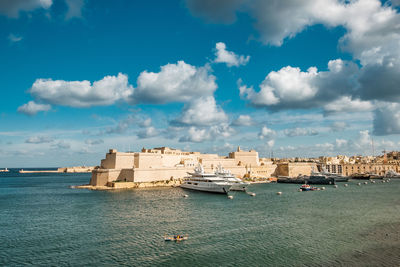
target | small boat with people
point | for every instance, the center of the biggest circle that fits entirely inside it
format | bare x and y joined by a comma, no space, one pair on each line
307,187
175,237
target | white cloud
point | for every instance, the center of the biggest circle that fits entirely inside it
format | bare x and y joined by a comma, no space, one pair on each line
94,141
14,38
82,93
228,57
179,82
201,134
202,112
147,132
31,108
338,126
74,8
325,146
341,143
300,132
62,145
347,104
39,140
271,143
122,126
284,86
291,88
266,133
387,119
12,8
243,120
146,122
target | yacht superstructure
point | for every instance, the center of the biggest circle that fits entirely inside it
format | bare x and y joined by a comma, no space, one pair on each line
208,182
237,184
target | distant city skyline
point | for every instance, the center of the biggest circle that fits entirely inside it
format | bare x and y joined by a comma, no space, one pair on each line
296,78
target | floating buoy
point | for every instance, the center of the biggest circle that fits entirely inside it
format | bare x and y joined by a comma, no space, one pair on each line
359,184
346,185
230,197
300,190
382,181
365,182
372,182
335,186
279,193
323,188
185,196
253,194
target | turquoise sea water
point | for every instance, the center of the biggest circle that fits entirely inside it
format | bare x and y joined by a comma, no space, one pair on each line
44,222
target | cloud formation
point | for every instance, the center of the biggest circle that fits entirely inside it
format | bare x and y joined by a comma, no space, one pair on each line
201,134
81,94
243,120
201,112
12,8
39,140
179,82
387,119
229,57
300,132
32,108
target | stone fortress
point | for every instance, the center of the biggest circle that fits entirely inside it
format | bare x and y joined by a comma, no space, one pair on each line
167,164
164,165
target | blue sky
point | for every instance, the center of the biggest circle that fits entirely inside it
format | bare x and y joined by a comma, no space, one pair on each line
295,79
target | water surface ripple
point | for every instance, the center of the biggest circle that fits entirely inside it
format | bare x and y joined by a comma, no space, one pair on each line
44,222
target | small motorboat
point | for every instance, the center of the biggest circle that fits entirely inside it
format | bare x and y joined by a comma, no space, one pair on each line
307,187
175,237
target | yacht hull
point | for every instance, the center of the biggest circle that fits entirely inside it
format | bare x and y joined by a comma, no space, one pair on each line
239,187
221,189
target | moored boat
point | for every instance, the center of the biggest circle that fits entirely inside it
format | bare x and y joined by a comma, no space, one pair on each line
207,182
307,187
237,183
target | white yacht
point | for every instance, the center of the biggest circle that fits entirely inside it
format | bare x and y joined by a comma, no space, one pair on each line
237,184
209,182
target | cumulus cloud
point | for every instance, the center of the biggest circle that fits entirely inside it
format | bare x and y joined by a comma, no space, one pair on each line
201,134
347,104
243,120
266,133
338,126
300,132
31,108
179,82
82,93
228,57
94,141
122,126
62,145
14,38
201,112
12,8
387,120
288,85
148,132
39,140
271,143
371,37
291,88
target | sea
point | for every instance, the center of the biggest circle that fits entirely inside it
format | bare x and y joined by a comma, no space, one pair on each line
45,222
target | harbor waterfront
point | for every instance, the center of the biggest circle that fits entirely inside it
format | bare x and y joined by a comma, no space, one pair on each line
45,222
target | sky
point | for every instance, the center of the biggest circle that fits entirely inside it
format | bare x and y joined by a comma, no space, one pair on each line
287,78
